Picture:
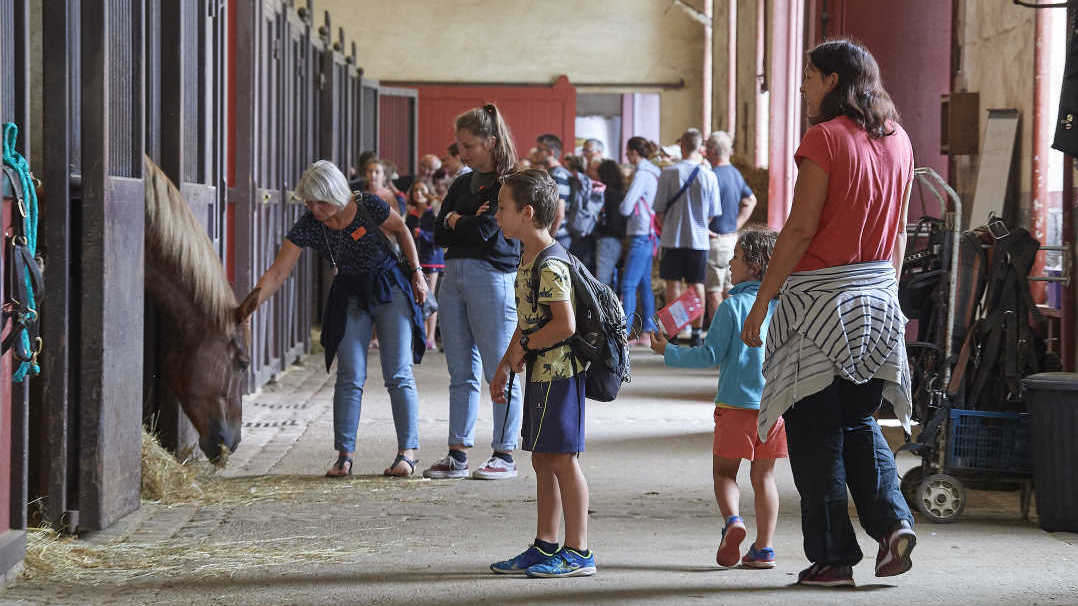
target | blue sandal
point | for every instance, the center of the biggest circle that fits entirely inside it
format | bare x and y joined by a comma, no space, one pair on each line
389,471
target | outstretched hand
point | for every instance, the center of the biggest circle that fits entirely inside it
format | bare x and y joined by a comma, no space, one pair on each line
658,342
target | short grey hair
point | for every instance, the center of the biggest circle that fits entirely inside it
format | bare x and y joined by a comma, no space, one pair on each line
597,144
721,142
324,182
691,139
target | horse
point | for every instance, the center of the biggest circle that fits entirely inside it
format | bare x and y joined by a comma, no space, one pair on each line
206,355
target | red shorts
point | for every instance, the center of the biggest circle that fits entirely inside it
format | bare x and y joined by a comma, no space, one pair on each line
735,436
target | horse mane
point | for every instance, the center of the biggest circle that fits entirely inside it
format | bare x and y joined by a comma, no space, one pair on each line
175,238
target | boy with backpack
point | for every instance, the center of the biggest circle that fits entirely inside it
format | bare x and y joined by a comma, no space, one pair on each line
553,424
737,403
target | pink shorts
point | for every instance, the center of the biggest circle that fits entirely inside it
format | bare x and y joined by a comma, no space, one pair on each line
735,436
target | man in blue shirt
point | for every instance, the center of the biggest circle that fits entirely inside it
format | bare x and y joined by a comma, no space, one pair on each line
738,203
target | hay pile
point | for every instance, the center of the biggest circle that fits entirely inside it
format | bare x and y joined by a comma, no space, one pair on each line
50,556
165,479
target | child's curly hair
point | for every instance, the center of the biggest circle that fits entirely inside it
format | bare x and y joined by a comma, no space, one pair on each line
757,245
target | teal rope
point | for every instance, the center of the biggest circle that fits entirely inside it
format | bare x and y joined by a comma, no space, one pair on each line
16,161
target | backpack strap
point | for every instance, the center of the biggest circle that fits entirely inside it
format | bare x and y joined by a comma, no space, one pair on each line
685,186
554,251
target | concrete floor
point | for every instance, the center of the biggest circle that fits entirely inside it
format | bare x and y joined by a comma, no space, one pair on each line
654,525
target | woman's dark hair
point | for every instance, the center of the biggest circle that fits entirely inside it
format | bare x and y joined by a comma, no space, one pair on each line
534,187
642,146
611,176
487,121
859,94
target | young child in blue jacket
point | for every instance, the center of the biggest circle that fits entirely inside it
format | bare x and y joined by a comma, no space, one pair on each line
737,403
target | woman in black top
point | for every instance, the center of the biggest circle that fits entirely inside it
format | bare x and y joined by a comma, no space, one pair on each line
477,305
370,289
611,228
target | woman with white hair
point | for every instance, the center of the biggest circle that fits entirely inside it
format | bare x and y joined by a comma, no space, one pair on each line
371,289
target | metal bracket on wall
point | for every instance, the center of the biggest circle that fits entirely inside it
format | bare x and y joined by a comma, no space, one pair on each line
1027,4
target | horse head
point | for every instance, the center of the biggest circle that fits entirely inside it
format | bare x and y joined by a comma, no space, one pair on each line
207,337
206,372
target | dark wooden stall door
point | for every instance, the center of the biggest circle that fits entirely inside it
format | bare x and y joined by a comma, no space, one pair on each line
111,299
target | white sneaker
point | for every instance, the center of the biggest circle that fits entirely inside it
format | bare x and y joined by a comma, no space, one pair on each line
446,468
496,469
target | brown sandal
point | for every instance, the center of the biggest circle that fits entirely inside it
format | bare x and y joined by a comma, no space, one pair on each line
338,470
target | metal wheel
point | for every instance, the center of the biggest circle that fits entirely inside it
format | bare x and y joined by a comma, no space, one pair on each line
941,498
910,481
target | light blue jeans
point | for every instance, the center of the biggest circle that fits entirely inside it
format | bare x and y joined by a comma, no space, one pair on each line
636,279
393,320
607,253
478,316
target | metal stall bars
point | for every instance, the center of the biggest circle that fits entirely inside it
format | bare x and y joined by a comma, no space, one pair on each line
264,158
87,436
300,149
185,97
338,94
366,117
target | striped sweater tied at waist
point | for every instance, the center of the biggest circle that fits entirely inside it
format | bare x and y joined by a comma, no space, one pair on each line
838,321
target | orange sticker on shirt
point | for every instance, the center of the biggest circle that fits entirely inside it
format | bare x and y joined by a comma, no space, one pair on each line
359,233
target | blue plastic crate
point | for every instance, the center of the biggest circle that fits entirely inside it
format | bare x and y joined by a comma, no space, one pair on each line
990,441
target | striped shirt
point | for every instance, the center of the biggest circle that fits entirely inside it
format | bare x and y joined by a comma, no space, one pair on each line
838,321
685,224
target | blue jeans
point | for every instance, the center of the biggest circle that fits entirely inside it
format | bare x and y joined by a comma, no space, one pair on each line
394,322
637,279
607,253
478,316
834,442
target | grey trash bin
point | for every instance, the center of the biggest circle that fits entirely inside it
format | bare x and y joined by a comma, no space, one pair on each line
1052,398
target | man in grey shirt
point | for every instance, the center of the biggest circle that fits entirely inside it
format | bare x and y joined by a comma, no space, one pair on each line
684,219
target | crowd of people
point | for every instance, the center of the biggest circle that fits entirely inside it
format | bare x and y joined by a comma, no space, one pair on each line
804,326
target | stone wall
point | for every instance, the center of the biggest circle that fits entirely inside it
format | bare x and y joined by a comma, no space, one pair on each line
525,41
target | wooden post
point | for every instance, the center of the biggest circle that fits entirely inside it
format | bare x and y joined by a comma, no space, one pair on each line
111,299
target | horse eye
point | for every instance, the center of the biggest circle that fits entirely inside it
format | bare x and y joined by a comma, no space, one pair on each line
242,361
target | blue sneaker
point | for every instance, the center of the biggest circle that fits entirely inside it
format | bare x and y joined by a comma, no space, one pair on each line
565,563
759,558
531,556
729,551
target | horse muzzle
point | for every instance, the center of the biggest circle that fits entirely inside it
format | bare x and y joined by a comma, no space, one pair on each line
220,437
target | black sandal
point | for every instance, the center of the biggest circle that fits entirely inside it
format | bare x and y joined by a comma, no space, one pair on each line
411,466
339,465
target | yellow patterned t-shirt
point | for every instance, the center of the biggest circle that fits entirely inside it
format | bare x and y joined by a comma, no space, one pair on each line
554,285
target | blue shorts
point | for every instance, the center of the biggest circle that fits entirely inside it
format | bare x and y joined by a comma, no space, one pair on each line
554,416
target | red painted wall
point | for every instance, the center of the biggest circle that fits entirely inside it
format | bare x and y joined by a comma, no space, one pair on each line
6,369
911,41
528,110
395,132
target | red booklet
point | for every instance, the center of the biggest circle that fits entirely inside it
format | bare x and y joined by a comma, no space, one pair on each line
680,312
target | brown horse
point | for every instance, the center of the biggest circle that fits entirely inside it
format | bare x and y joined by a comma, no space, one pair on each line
206,358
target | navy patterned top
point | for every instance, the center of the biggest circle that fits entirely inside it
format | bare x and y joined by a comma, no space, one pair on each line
357,249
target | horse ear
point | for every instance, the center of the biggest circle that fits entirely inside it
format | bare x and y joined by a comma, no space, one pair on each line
248,306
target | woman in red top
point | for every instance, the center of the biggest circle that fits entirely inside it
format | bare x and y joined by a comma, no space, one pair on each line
835,344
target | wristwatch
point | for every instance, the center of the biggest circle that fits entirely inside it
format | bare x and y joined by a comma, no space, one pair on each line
415,269
524,343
